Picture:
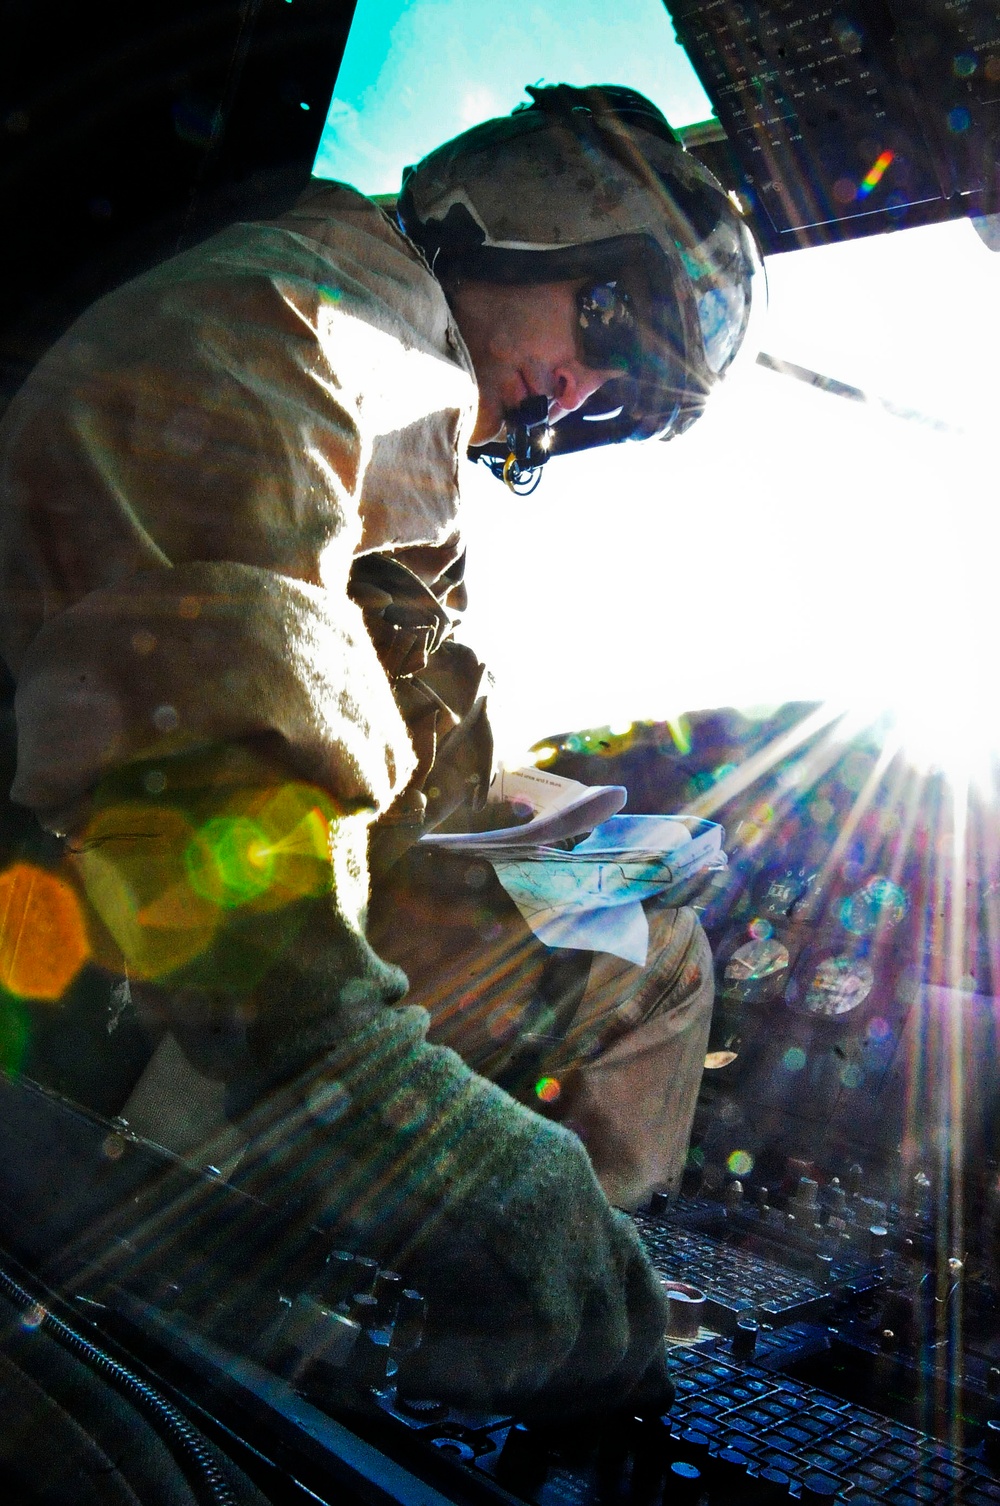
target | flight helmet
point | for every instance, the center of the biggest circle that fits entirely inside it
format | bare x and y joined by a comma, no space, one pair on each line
592,185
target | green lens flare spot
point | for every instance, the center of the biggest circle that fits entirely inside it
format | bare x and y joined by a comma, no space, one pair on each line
230,861
14,1034
548,1089
680,731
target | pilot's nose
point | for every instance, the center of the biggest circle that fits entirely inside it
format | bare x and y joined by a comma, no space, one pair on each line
573,383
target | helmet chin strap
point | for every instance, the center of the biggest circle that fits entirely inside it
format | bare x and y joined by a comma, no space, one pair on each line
528,441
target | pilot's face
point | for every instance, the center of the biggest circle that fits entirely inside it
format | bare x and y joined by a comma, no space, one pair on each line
524,342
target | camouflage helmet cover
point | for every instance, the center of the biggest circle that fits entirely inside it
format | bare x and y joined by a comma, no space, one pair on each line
593,184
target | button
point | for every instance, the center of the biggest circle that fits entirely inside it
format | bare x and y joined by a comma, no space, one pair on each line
770,1485
685,1483
819,1490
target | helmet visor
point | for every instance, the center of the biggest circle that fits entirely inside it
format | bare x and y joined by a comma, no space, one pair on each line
635,326
668,327
610,336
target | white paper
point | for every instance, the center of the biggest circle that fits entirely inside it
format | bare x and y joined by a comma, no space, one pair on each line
563,808
590,898
622,930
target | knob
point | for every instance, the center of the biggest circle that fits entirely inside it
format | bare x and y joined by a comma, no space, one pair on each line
806,1194
369,1362
364,1310
878,1238
523,1460
339,1278
367,1270
345,1273
408,1329
836,1198
648,1439
823,1268
685,1309
745,1339
387,1291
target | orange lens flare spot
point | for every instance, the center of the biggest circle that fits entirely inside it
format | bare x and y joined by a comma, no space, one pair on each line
43,938
547,1089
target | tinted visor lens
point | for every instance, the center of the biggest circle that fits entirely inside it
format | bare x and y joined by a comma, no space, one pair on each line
609,329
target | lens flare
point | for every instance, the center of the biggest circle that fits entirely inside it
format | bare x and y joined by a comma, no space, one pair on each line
875,174
755,960
229,861
43,937
680,731
547,1089
130,860
836,986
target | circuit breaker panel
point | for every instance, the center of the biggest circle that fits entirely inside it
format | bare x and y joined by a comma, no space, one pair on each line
845,119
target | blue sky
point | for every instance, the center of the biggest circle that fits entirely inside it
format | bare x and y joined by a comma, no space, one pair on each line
416,72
